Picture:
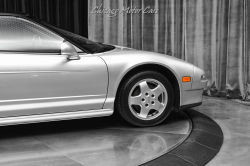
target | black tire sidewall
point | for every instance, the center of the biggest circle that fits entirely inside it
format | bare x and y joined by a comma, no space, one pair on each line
124,106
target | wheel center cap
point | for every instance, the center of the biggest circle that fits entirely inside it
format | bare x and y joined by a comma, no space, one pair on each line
148,99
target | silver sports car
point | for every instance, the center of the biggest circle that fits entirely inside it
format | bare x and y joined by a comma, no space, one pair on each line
49,74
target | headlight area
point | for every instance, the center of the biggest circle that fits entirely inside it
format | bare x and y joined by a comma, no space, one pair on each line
199,79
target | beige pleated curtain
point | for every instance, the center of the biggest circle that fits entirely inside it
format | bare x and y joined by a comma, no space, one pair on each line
211,34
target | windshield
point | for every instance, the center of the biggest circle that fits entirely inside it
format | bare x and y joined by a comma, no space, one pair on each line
81,42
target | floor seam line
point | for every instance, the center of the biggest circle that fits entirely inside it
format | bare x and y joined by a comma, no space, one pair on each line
203,145
57,151
208,132
183,158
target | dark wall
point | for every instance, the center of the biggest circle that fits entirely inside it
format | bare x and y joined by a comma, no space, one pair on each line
71,15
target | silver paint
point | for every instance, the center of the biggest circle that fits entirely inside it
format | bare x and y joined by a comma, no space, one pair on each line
69,50
37,84
37,76
121,60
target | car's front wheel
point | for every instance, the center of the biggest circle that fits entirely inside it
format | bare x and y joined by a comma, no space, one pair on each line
145,99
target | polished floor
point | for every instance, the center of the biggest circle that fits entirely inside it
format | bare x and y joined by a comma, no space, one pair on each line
234,120
110,141
105,141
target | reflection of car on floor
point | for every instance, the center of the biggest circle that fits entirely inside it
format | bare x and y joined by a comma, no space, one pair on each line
51,74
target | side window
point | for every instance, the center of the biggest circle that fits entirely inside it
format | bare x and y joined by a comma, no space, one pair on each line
20,35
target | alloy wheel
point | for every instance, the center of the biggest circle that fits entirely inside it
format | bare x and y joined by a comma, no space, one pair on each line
147,99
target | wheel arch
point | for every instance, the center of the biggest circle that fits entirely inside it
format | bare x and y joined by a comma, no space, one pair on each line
161,69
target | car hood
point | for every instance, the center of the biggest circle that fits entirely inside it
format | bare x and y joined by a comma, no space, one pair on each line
121,50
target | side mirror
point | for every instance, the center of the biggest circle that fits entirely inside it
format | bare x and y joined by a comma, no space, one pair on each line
69,50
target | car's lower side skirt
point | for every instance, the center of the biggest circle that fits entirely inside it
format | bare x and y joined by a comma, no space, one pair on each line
54,117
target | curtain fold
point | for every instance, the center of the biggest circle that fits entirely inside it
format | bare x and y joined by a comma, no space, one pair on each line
212,35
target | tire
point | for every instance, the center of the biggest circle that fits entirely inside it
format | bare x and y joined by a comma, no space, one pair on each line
145,99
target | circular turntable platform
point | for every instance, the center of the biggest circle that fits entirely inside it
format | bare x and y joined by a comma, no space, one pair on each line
106,141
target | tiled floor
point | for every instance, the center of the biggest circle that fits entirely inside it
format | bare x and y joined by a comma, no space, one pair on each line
234,119
96,141
108,141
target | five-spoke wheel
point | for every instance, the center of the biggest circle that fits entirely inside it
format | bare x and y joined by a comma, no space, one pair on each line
145,98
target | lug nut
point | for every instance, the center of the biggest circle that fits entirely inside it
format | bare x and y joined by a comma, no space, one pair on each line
153,95
146,105
152,102
142,99
146,94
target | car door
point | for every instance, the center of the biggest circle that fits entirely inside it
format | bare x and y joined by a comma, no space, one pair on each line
36,79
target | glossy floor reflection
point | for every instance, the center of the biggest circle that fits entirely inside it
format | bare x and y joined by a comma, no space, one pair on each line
97,141
234,120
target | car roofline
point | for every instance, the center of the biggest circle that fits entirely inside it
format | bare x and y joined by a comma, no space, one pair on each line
15,14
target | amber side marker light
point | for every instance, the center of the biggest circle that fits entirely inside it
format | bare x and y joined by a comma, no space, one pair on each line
186,79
